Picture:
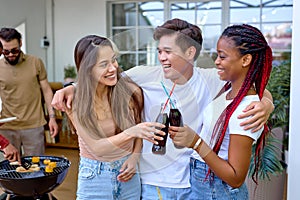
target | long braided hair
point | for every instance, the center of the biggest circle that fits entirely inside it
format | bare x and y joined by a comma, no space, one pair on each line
248,40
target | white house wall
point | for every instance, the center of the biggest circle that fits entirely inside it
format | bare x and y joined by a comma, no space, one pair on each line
74,19
294,136
32,12
63,22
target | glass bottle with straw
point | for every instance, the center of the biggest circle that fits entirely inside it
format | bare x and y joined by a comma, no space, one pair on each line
162,118
175,117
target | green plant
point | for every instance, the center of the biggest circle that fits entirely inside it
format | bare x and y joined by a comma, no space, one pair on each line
70,72
279,86
270,161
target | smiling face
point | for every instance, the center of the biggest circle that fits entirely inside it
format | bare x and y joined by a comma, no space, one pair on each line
105,70
231,65
11,51
176,63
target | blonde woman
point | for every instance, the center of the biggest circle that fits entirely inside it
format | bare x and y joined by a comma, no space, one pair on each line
106,108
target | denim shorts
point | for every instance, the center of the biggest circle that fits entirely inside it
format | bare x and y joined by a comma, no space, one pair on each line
151,192
98,180
211,187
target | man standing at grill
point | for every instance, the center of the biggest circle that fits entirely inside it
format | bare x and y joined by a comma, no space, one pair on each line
22,78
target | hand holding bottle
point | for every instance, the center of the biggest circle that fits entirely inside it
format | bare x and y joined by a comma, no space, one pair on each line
182,136
175,118
162,118
150,131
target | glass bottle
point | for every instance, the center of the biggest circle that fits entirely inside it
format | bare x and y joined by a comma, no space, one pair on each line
162,118
175,117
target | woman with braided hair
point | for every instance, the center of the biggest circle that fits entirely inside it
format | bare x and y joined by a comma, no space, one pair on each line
178,46
222,153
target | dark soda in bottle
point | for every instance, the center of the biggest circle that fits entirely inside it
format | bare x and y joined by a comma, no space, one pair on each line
175,117
162,118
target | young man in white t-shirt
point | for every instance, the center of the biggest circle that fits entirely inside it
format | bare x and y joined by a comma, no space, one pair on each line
167,176
178,48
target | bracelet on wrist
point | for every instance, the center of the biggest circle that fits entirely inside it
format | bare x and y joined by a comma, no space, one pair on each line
74,84
197,143
52,116
68,84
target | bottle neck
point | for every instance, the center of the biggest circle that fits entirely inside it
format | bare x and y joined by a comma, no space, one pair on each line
173,104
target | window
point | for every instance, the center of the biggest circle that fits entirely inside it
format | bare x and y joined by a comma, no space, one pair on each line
208,16
273,18
132,24
132,29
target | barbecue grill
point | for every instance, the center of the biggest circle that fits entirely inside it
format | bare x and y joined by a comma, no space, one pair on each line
33,184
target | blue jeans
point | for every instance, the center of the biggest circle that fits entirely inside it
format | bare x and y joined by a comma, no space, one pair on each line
212,188
98,180
151,192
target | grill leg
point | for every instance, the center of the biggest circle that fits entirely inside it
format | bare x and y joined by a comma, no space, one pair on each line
49,196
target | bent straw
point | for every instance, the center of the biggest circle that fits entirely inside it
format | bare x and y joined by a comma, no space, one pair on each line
169,97
166,91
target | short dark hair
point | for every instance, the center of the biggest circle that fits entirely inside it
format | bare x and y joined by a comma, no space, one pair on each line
9,34
187,34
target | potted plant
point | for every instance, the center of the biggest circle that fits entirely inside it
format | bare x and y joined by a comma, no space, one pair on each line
69,73
279,86
271,176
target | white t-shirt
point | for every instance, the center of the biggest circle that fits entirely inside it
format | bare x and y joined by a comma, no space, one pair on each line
172,169
212,113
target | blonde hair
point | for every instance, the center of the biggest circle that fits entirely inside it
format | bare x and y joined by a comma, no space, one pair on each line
125,98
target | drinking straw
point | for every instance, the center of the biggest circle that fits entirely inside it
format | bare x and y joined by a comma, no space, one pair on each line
169,95
166,91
